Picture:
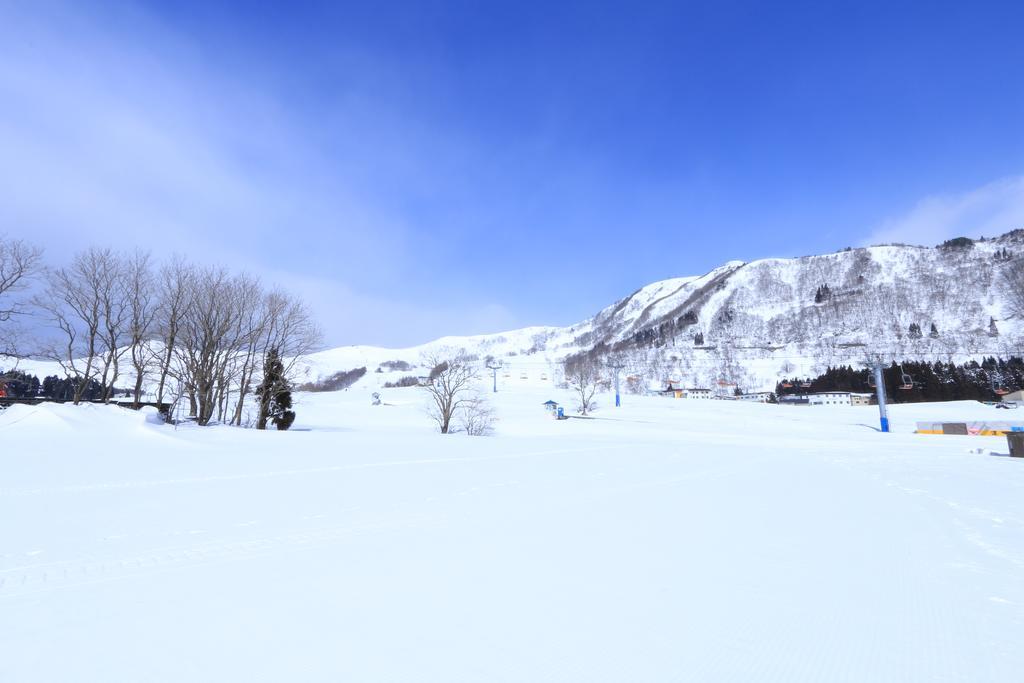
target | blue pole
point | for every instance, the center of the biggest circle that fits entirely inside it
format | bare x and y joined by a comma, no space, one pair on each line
495,372
618,402
883,415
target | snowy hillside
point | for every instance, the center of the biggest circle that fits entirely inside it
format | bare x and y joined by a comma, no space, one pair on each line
744,324
751,323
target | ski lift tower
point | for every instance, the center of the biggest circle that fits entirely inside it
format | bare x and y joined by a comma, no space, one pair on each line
616,366
883,415
494,367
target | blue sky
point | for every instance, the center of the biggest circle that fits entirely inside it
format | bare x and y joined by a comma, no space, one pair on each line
428,168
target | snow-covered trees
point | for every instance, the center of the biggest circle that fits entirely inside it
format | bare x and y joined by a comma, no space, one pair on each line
1013,286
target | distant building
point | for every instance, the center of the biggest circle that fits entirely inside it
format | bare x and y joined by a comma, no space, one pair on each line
668,391
697,393
793,400
860,399
830,398
755,397
1014,397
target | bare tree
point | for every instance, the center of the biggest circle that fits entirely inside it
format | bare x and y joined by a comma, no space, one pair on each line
73,300
249,321
140,291
583,375
216,328
20,262
1013,284
223,337
114,307
203,338
450,386
174,285
476,416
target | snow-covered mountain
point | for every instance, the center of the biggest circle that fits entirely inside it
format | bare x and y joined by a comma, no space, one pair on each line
749,323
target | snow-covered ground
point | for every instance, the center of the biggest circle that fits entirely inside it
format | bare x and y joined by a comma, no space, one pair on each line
668,540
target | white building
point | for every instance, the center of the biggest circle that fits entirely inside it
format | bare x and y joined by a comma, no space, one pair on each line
698,393
830,398
1014,397
756,396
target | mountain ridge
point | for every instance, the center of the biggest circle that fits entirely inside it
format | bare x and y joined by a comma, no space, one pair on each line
752,322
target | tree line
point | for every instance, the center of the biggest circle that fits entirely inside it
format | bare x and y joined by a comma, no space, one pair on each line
198,333
18,384
918,381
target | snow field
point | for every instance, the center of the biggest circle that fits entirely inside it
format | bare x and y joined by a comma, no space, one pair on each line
667,540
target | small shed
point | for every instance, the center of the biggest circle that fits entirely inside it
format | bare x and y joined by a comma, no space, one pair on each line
1014,397
555,410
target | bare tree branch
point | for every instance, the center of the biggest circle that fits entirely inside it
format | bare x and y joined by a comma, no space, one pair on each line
450,386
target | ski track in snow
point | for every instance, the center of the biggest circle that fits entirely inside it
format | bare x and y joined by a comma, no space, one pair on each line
106,486
33,579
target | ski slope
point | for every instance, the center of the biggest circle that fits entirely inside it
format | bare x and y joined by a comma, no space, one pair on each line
668,540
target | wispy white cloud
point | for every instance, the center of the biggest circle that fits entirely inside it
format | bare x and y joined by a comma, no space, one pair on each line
120,131
989,210
134,140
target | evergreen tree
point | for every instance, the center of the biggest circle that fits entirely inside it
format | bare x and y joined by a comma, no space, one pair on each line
993,331
274,394
63,389
688,318
18,384
934,332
